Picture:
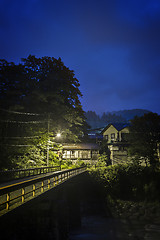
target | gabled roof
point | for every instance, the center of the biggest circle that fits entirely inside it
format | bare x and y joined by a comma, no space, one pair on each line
118,126
80,146
95,133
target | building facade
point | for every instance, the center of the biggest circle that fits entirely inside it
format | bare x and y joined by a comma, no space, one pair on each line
116,137
115,132
87,152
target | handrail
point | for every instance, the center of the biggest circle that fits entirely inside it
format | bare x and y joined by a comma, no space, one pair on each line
17,193
21,173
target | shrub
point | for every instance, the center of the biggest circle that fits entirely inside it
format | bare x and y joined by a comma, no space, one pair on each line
103,160
128,181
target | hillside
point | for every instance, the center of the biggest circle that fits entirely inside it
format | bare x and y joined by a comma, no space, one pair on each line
96,121
130,114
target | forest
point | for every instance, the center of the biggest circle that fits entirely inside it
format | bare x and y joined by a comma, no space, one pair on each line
99,121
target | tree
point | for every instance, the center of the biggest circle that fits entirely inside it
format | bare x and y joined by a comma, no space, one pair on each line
43,85
145,138
46,87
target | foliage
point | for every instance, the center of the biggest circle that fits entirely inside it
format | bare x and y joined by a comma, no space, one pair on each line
68,164
33,157
80,163
144,138
43,85
129,181
105,150
48,89
103,160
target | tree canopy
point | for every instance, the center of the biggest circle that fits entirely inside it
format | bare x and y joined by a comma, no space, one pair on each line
48,90
42,85
145,138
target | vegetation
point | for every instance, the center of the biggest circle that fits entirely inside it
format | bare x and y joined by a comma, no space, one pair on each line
131,192
96,121
129,182
38,98
132,189
144,139
103,160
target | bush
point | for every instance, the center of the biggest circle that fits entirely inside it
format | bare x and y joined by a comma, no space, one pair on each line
68,164
129,181
103,160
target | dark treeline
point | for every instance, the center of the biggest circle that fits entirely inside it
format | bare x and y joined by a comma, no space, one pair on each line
97,121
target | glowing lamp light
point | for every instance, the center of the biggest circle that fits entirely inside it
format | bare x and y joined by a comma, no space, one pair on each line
58,135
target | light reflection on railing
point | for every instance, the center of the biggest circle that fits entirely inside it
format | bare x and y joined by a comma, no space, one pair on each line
22,173
16,194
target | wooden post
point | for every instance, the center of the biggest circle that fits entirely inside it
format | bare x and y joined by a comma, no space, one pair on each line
34,190
8,199
42,187
54,179
49,183
22,195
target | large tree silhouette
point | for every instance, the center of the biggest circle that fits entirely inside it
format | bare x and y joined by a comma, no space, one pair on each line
43,85
145,138
48,89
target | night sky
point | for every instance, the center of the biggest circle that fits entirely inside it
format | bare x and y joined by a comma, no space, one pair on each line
113,46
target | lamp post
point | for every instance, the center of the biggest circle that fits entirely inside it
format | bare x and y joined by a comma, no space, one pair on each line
48,142
59,152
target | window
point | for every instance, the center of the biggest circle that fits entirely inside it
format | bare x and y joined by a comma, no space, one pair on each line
68,154
106,137
112,136
72,154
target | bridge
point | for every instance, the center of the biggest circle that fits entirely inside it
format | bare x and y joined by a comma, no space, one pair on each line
52,204
34,203
35,181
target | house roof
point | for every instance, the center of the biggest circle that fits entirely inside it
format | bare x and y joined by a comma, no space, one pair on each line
118,126
80,146
95,133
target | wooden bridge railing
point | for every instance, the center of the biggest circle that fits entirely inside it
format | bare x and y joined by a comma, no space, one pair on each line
22,173
16,194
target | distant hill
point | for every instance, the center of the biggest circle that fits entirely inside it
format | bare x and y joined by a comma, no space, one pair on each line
96,121
130,114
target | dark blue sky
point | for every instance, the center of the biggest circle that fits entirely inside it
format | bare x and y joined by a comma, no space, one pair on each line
112,45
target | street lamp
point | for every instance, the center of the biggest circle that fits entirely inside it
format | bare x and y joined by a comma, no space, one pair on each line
48,143
58,135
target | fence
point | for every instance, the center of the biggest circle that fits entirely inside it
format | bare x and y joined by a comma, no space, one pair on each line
21,173
16,194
